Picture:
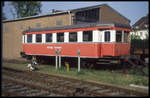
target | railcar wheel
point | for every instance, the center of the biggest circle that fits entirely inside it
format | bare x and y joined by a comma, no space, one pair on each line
90,65
87,65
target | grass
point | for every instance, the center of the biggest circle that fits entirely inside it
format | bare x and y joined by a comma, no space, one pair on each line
104,76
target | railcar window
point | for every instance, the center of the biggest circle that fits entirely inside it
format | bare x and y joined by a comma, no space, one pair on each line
6,29
87,35
20,27
48,37
60,37
118,36
107,36
29,38
38,38
58,23
73,37
126,37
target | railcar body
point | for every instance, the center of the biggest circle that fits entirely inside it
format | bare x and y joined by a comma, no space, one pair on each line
94,40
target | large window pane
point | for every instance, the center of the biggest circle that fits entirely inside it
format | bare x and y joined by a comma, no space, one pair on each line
73,37
60,37
91,15
29,38
87,35
38,38
107,36
48,37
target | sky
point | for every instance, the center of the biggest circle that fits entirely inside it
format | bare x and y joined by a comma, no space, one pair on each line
131,10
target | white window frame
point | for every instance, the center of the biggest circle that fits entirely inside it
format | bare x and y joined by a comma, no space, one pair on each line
95,35
25,38
66,37
112,35
122,37
43,38
80,36
54,38
33,38
100,36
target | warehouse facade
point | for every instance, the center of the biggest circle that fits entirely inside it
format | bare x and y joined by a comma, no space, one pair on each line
12,29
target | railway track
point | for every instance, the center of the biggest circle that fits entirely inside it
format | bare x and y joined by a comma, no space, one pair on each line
27,83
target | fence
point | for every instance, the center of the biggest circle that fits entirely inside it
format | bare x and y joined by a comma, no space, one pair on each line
140,44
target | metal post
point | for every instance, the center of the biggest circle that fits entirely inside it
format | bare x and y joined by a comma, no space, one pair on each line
56,58
59,58
78,60
122,36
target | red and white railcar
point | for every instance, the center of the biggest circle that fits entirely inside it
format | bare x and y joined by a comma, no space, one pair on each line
94,40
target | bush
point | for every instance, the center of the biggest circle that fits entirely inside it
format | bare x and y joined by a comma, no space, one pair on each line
141,81
80,73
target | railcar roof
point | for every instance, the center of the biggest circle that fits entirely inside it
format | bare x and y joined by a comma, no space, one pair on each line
78,26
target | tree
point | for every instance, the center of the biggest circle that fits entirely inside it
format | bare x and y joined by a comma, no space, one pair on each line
134,37
3,16
147,37
26,8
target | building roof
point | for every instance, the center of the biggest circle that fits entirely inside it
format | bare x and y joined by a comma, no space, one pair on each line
65,12
88,8
36,16
142,23
79,26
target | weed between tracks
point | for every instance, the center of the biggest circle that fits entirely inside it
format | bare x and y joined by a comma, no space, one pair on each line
105,76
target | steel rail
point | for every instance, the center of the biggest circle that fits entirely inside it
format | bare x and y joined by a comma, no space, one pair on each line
55,83
128,91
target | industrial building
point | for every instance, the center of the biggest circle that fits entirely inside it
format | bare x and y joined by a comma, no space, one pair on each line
12,29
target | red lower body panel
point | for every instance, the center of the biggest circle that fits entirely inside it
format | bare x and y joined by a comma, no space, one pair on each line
91,50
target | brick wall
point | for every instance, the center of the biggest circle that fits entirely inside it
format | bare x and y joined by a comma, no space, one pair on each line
12,32
107,14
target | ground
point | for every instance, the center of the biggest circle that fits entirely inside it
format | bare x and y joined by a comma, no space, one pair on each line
99,76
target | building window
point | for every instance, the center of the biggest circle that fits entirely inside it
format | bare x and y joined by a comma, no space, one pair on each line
38,38
91,15
73,37
58,23
145,25
137,27
141,33
60,37
38,25
20,27
118,36
6,29
48,37
87,35
107,36
29,38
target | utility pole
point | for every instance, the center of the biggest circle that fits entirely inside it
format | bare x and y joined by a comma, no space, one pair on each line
78,52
